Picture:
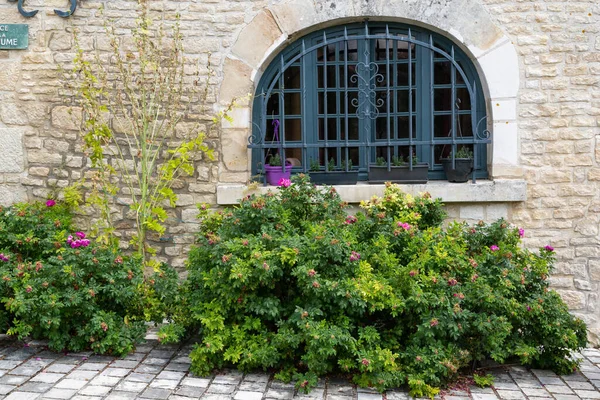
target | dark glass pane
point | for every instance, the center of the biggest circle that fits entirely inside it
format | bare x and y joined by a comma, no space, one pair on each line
352,129
291,78
465,125
382,130
328,154
442,73
459,79
292,130
381,102
292,103
352,50
332,127
403,50
331,78
402,101
353,154
445,151
352,103
402,75
404,127
329,50
463,100
442,126
442,100
352,76
273,104
380,75
331,102
382,52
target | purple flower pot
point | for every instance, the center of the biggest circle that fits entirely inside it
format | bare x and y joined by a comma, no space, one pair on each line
275,173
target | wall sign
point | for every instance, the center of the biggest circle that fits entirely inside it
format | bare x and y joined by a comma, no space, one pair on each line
14,36
60,13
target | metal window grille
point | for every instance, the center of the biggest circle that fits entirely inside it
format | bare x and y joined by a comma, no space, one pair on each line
351,96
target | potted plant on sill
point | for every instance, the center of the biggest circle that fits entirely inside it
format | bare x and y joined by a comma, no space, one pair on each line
463,165
332,175
275,171
399,171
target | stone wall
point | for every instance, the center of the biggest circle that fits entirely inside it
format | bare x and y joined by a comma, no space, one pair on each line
539,61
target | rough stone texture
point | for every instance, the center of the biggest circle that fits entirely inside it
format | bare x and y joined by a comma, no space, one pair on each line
544,98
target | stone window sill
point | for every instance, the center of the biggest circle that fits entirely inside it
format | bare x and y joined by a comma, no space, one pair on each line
484,191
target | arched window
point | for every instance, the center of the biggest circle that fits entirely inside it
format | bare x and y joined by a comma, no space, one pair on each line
369,93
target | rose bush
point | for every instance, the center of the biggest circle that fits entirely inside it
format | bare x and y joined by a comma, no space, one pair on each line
290,281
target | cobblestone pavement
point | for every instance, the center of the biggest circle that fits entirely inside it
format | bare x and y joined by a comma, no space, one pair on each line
156,371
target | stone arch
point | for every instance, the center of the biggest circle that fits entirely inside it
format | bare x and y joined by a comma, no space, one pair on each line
466,22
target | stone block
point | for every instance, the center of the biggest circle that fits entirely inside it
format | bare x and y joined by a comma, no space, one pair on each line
11,150
574,300
68,118
238,82
11,114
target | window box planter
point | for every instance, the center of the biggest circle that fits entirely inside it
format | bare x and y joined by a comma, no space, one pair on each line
276,173
333,177
460,174
399,174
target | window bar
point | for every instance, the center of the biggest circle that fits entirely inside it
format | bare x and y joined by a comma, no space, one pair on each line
410,97
387,79
453,105
263,141
282,114
325,104
367,54
304,108
431,94
338,108
347,120
475,127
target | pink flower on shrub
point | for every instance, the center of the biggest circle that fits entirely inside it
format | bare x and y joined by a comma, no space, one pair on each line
350,219
528,308
3,257
413,272
354,256
284,182
452,282
404,225
549,248
80,235
474,277
433,322
494,248
28,289
50,203
521,232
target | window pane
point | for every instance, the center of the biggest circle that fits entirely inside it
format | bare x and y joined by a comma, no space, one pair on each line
442,73
332,126
292,130
402,99
442,99
381,102
465,125
403,50
352,128
352,50
403,74
404,128
442,126
273,104
381,128
381,49
463,100
381,74
291,78
331,78
292,103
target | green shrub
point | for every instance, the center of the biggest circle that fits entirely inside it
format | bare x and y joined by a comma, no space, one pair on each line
59,286
289,281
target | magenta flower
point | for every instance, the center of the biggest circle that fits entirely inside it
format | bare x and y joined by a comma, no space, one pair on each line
350,219
284,182
3,257
452,282
521,232
549,248
528,308
354,256
28,289
50,203
404,225
494,248
80,235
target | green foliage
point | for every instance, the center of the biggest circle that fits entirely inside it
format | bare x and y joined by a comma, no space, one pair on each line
136,137
464,152
275,160
78,298
483,380
289,281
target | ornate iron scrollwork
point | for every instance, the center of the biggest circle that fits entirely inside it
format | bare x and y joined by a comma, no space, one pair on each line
366,77
60,13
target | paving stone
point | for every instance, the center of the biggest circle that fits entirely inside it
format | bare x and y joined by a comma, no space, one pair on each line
337,397
82,375
580,385
342,390
91,390
136,377
164,384
282,385
4,389
190,391
220,389
510,394
55,393
528,384
13,379
506,386
196,382
117,372
84,397
256,378
105,380
395,395
35,387
481,396
214,396
315,394
121,396
60,368
277,394
243,395
131,386
156,361
484,390
253,386
177,367
9,364
565,397
227,379
155,393
70,384
534,392
26,370
171,375
588,394
373,396
591,376
22,396
93,366
47,377
559,389
164,354
148,369
124,364
551,381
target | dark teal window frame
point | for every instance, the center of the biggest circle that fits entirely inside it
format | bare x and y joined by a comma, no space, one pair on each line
307,115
